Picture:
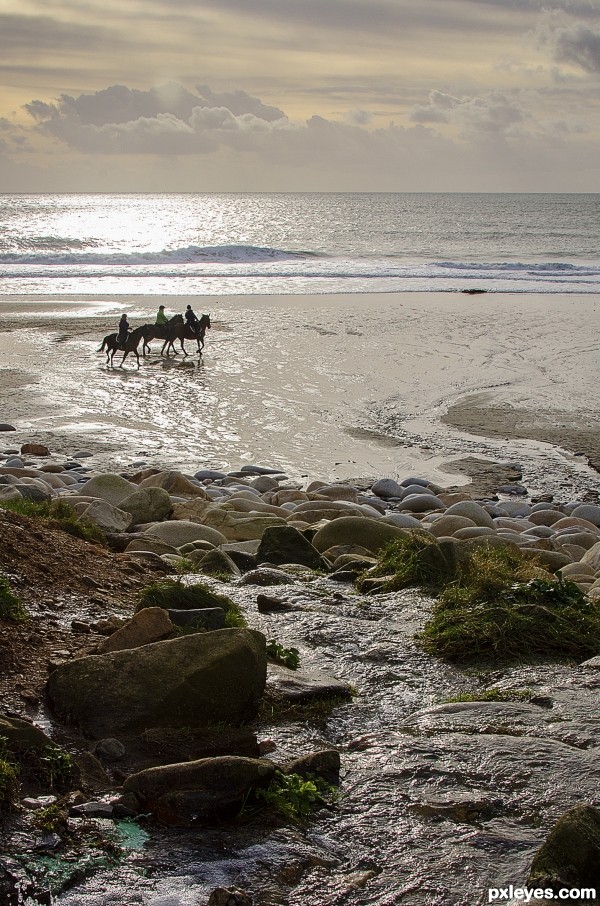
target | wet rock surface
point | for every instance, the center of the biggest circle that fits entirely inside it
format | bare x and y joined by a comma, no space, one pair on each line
439,799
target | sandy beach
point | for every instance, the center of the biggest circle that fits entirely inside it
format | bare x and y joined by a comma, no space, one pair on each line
341,386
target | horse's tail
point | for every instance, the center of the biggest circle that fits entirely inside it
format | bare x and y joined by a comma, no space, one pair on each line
104,342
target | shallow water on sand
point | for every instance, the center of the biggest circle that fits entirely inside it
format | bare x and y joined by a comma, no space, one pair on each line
330,387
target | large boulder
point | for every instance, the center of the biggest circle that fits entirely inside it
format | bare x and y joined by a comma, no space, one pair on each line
193,680
175,483
147,505
204,790
109,487
106,516
471,510
371,534
178,532
570,856
232,525
285,544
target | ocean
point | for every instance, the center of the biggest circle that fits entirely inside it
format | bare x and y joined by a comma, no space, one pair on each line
263,244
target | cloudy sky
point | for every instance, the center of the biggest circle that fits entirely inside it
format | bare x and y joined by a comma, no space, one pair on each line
300,95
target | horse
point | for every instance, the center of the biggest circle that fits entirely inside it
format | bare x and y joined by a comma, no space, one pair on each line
177,329
131,344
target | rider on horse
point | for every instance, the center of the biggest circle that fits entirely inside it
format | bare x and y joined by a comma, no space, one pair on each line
124,329
191,319
161,317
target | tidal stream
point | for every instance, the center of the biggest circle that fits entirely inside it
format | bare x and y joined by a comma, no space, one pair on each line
438,801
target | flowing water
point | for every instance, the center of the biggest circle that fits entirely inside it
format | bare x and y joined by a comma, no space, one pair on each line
433,808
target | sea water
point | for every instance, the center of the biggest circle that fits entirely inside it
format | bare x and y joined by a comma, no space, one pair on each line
220,244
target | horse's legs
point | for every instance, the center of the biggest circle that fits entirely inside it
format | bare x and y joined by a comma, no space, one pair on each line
163,347
183,347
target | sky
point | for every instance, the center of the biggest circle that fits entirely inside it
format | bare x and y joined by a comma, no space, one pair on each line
299,95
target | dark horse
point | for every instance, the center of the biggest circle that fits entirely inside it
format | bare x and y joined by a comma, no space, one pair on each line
131,344
177,329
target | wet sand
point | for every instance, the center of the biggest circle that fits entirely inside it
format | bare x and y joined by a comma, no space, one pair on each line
335,386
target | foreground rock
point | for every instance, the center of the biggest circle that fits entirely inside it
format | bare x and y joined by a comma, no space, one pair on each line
570,857
193,680
206,790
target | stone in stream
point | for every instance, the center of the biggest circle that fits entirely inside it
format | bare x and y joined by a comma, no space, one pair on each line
209,789
285,544
192,680
570,856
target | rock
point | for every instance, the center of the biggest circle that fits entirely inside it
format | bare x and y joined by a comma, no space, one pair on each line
22,736
5,427
324,763
192,680
147,505
175,483
152,624
448,525
205,617
233,525
109,487
229,896
110,749
304,685
91,809
593,663
205,790
589,512
420,503
471,510
387,487
178,532
551,560
371,534
106,516
284,544
217,563
35,449
570,856
271,604
9,492
592,556
152,545
265,576
33,492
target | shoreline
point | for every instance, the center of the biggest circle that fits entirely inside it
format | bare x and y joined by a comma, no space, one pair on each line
340,385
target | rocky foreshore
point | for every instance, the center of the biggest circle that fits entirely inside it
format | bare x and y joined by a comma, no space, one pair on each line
139,703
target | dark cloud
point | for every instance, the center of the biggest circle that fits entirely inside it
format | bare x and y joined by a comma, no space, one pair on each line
42,33
164,120
584,8
578,45
341,16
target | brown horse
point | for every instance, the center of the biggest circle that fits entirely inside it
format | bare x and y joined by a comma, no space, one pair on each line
177,329
112,345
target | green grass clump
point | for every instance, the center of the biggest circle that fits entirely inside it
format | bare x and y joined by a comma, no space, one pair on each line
406,561
58,514
294,796
501,610
11,606
172,594
490,695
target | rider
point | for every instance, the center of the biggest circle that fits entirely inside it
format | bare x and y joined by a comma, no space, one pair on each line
161,317
124,329
191,319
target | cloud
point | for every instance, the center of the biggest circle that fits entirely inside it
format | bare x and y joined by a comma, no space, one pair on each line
166,120
579,45
494,113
